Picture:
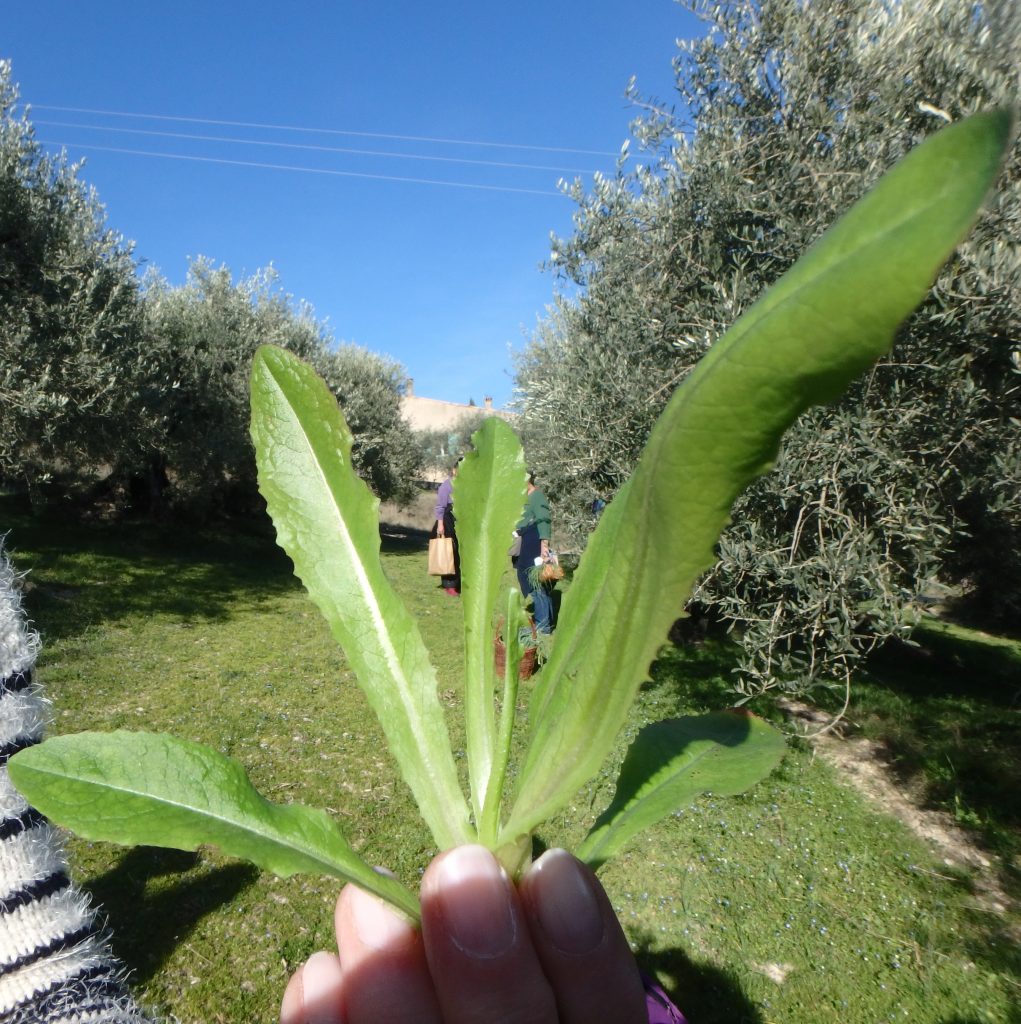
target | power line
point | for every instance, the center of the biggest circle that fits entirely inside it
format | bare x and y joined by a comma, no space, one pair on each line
305,170
322,131
318,149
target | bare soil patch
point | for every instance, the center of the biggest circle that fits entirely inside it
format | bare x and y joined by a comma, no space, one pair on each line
863,764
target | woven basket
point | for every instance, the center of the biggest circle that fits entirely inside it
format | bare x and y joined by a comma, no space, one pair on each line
526,667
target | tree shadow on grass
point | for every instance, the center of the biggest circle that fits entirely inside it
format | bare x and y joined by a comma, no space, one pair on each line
947,713
993,942
699,672
705,994
80,575
403,540
1014,1018
951,665
150,921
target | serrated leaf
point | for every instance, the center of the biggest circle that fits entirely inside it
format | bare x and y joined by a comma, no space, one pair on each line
674,761
489,492
824,322
327,521
137,788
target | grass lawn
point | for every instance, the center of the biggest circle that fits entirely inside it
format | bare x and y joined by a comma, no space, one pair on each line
796,903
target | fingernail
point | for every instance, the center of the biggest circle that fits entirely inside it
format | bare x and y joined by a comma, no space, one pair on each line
567,906
320,989
378,926
474,898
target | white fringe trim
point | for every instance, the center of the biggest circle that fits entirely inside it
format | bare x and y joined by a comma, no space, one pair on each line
50,990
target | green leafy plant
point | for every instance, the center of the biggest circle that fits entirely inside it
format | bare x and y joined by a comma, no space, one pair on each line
820,325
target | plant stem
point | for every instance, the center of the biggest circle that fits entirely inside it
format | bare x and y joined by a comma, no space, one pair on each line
489,825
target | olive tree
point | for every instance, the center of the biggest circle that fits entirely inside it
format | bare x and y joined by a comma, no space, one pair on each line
785,113
201,338
369,388
441,447
138,390
69,313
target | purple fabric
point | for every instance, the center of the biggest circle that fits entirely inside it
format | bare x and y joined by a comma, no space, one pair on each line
443,497
658,1005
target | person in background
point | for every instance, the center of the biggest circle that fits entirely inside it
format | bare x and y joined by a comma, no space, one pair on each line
444,527
535,530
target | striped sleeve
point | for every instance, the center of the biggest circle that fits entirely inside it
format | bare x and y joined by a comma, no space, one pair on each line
56,966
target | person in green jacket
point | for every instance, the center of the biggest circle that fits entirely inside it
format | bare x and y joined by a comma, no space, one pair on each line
535,530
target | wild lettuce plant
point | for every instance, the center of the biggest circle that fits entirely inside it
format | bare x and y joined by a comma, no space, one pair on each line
825,321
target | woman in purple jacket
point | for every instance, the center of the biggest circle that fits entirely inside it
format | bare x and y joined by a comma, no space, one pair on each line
444,527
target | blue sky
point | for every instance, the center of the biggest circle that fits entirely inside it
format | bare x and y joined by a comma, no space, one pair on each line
444,279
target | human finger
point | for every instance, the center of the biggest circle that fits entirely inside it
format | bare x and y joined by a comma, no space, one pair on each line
478,944
313,995
580,943
386,977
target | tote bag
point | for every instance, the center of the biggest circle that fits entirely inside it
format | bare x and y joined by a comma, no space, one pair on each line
441,556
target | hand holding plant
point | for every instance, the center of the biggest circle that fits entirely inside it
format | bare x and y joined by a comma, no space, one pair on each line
549,949
825,321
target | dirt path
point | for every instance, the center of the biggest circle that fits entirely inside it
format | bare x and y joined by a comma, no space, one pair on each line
862,763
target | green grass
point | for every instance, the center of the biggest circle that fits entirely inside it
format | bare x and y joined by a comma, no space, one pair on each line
207,635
